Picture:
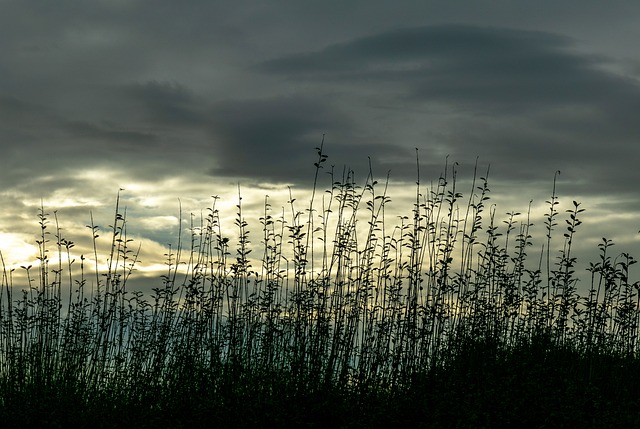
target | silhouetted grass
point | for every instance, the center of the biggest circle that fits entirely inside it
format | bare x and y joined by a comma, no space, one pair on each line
342,320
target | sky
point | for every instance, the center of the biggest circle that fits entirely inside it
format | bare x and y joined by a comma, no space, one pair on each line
175,102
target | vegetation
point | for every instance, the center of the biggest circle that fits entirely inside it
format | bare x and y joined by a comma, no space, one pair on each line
341,321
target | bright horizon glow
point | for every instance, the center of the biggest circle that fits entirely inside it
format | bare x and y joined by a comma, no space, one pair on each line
154,232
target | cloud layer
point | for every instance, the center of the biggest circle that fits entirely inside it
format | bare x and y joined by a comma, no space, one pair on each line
95,96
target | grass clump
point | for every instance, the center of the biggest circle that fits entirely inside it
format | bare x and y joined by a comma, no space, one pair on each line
341,320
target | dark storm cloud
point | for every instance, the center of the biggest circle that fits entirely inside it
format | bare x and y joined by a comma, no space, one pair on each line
115,78
40,125
483,66
18,114
379,54
138,137
275,139
166,103
271,137
108,135
527,101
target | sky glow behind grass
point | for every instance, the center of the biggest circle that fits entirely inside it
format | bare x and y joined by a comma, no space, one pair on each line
181,102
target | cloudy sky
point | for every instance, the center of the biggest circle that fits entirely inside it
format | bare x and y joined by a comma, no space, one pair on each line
188,99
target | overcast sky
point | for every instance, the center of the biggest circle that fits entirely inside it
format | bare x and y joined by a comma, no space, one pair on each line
187,99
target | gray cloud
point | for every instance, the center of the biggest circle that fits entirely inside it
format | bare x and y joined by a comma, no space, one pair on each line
483,67
274,139
400,49
165,104
525,100
269,138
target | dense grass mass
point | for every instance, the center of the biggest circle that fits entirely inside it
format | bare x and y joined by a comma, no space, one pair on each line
439,320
